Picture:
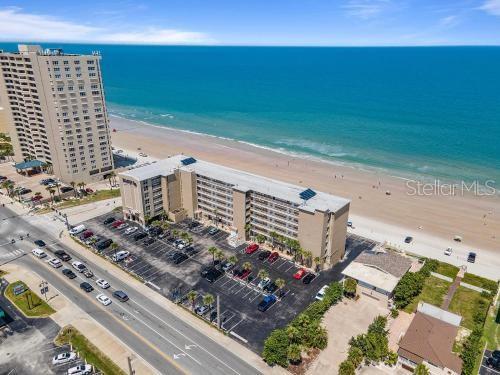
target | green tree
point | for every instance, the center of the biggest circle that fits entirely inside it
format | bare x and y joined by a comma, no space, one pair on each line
51,192
219,255
72,184
262,273
471,350
294,353
347,368
191,296
114,247
260,238
213,250
233,259
307,257
111,178
276,348
247,266
392,359
350,286
280,283
208,299
355,356
317,262
421,369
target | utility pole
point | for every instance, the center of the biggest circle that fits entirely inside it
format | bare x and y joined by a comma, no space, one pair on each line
218,311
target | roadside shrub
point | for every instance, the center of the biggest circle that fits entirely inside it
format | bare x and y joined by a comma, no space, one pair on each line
408,288
294,353
421,369
392,359
394,313
374,344
276,348
347,368
350,286
471,349
355,356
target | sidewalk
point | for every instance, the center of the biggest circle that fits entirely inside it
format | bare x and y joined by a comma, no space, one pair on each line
68,313
57,229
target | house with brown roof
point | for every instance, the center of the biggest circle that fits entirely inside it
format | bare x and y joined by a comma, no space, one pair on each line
378,272
429,340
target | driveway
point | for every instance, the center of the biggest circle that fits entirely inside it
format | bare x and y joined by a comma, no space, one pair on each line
343,321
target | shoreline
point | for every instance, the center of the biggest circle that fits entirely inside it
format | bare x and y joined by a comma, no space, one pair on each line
430,220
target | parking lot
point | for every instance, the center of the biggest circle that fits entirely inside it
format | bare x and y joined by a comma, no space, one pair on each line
485,369
27,345
239,298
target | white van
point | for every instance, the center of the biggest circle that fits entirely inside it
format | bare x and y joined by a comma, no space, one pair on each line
120,255
77,230
39,253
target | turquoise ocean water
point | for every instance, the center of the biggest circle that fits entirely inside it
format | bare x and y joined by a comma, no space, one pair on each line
433,112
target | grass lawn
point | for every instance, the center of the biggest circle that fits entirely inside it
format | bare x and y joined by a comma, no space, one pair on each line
87,350
467,303
94,197
491,332
481,282
447,269
433,292
39,307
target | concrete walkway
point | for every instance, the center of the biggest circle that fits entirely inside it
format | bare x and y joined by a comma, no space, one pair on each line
452,289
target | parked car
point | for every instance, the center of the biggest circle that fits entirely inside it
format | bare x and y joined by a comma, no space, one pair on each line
213,275
39,253
227,266
122,226
408,239
63,358
117,223
66,189
109,220
40,243
102,283
201,310
213,231
80,370
273,257
448,251
79,266
130,230
24,191
148,241
120,255
321,293
299,274
271,287
244,274
206,270
68,273
77,230
36,198
263,283
493,362
471,258
103,244
181,258
86,287
103,299
120,295
54,262
140,236
308,278
263,255
87,234
61,254
266,303
252,248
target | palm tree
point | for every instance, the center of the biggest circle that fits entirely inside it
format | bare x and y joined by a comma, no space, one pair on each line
175,233
111,179
273,236
155,223
114,247
307,257
208,299
51,192
260,238
233,259
213,250
263,273
8,186
317,261
247,266
220,255
58,184
165,226
191,296
81,185
280,283
248,230
73,184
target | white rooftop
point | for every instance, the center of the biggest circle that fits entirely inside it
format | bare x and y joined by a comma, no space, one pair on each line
240,180
371,275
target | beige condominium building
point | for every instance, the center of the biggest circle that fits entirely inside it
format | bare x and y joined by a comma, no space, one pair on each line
55,108
182,187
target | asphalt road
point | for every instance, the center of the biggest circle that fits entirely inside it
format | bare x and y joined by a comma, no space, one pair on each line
162,339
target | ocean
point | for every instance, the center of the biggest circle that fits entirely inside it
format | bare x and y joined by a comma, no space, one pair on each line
427,111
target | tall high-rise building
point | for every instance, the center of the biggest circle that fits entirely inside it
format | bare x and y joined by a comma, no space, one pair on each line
56,111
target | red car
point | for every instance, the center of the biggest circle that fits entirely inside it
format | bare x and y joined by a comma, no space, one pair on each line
273,257
117,223
252,248
244,274
299,274
36,198
89,190
87,234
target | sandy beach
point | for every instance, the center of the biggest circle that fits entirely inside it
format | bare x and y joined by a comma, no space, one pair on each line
433,220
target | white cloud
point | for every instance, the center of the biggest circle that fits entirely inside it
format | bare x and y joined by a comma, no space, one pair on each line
449,21
16,25
492,7
365,9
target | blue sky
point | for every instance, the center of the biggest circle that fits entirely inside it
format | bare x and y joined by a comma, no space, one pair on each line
254,22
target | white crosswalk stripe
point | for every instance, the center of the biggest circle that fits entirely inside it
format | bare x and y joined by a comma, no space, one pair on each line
12,254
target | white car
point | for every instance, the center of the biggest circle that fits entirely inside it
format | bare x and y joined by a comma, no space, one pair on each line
39,253
321,293
54,262
122,226
103,299
79,266
448,251
119,256
264,282
102,283
80,370
131,230
63,358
